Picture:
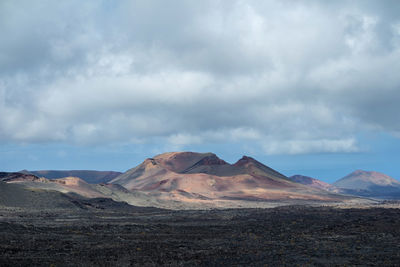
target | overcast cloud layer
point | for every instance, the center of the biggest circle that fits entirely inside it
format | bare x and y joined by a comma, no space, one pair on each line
291,76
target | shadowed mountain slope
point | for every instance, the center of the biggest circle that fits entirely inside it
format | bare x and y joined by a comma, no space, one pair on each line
18,196
309,181
21,196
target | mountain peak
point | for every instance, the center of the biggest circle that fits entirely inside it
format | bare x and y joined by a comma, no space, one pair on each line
181,161
212,160
361,172
368,175
245,159
180,155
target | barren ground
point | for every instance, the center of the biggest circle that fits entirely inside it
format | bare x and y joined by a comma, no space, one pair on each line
294,235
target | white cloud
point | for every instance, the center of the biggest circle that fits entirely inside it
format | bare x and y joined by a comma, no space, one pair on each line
182,139
311,146
294,77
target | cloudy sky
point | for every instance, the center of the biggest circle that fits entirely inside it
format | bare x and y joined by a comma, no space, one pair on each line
310,87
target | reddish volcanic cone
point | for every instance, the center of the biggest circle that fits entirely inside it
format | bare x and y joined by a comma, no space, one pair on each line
190,175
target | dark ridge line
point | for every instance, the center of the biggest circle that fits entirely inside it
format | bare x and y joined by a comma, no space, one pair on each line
198,162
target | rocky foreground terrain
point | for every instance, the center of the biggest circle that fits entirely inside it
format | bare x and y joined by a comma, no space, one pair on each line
94,234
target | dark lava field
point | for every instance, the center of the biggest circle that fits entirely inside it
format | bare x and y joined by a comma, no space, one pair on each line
285,236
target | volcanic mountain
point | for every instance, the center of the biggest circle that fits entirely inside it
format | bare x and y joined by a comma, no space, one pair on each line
190,176
309,181
369,183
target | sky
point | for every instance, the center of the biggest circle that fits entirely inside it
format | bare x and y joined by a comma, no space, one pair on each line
306,87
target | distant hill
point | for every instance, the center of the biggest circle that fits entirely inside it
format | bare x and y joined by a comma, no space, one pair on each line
309,181
370,184
17,176
14,195
91,177
22,196
190,176
77,186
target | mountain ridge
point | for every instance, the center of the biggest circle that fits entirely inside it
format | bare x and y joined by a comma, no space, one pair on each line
90,176
205,175
358,183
